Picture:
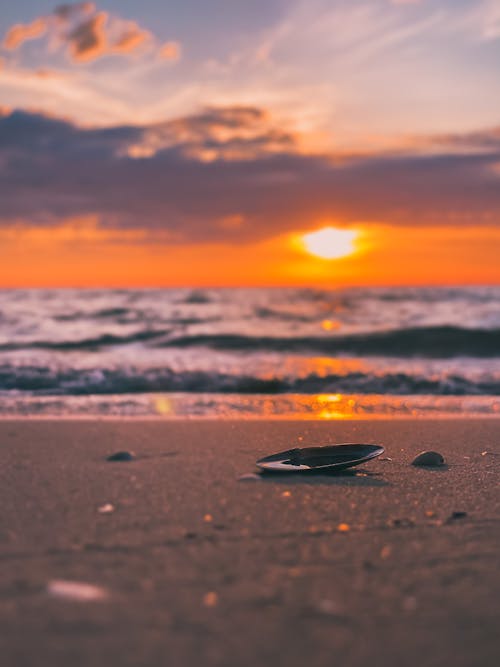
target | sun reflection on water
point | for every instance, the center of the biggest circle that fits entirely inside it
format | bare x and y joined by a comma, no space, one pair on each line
333,406
325,407
349,406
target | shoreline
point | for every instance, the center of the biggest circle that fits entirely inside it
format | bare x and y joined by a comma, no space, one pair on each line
227,406
249,418
380,566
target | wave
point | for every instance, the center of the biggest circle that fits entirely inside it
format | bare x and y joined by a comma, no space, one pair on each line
104,313
131,316
197,297
85,344
45,380
282,316
433,342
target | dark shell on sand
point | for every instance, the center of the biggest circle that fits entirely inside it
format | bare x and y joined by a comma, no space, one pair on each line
325,459
430,459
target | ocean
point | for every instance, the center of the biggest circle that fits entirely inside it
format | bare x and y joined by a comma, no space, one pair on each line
260,352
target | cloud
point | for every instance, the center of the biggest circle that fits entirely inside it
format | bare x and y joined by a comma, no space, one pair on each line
89,34
88,40
20,33
229,133
70,231
482,140
131,38
170,51
230,174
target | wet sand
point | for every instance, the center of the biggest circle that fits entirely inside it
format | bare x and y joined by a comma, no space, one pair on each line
201,568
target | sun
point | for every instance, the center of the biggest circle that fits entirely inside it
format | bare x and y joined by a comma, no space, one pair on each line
330,243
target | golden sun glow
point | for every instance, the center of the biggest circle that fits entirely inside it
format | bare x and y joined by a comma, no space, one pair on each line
330,243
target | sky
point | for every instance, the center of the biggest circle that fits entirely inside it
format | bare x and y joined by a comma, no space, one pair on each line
197,143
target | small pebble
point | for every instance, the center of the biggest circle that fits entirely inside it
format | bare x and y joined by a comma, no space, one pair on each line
210,599
343,527
108,508
121,456
430,459
385,552
208,518
75,590
456,515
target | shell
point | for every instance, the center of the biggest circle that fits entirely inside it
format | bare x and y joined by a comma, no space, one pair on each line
327,458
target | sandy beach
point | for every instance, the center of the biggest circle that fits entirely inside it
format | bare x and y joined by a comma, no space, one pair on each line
199,567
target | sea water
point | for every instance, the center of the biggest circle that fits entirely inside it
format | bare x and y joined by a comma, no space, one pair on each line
250,352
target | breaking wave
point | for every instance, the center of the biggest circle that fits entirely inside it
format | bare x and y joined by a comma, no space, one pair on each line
44,380
430,342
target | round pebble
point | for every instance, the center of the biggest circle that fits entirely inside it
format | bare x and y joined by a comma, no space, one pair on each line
430,459
121,456
108,508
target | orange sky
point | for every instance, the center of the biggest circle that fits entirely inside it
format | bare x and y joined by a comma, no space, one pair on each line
79,254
